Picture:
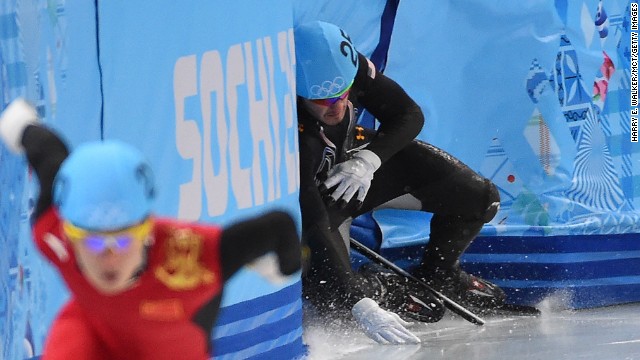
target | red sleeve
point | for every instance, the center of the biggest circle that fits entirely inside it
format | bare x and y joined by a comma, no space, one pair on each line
47,233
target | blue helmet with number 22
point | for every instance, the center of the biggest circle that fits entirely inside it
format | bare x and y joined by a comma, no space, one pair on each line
326,60
104,186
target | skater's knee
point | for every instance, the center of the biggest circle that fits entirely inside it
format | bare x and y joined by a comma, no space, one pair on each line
493,202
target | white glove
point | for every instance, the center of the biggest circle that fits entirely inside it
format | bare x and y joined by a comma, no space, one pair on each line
353,176
13,120
268,267
385,327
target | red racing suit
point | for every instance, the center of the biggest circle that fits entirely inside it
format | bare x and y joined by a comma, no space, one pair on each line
155,319
169,311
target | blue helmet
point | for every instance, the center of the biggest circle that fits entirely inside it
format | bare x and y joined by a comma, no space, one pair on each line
104,186
326,60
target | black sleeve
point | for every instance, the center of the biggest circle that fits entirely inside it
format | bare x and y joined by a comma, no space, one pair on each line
329,264
316,225
400,117
247,240
45,152
312,206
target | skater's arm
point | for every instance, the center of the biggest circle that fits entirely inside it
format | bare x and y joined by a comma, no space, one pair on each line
248,240
45,151
401,118
324,250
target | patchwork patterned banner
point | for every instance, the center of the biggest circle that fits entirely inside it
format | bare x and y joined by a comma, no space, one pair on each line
533,95
38,61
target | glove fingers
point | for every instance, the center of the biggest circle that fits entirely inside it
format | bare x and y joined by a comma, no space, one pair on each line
340,190
391,336
348,194
333,180
377,338
400,320
400,330
405,335
362,193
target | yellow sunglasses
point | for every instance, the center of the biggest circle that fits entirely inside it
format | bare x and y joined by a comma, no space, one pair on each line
119,240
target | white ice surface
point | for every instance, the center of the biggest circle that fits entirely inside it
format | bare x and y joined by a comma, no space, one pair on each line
608,333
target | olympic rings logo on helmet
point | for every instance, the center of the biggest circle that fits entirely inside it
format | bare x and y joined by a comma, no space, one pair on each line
328,88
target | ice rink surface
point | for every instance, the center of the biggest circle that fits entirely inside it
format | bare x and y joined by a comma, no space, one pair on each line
608,333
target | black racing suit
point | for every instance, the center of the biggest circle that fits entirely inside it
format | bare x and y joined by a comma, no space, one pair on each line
461,200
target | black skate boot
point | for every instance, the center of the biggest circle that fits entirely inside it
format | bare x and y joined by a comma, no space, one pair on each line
398,294
466,289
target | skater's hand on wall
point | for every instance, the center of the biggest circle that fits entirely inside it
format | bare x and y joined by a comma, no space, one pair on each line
13,120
